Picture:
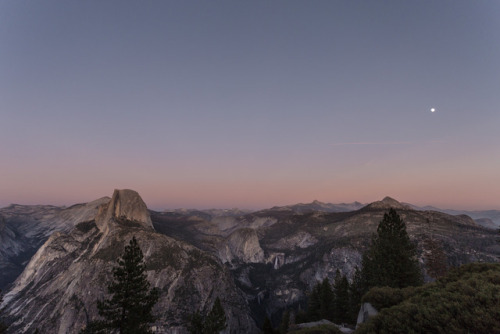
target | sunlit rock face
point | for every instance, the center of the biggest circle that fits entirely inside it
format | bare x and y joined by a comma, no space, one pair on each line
242,245
126,207
24,228
59,288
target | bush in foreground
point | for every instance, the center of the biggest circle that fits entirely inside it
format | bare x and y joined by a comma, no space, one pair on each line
321,329
465,301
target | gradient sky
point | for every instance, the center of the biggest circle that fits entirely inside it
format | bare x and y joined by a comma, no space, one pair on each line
250,104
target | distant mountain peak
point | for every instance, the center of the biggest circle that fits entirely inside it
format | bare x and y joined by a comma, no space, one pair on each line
388,203
389,200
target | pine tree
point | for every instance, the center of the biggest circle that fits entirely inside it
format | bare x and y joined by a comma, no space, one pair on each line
326,300
285,322
391,260
313,304
355,294
129,310
341,298
195,325
267,327
320,303
212,323
216,319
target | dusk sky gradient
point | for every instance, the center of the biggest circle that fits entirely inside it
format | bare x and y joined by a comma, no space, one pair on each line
250,104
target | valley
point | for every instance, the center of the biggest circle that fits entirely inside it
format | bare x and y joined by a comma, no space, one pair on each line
259,263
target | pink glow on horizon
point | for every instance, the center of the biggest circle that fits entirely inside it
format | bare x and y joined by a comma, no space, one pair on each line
213,110
443,180
259,195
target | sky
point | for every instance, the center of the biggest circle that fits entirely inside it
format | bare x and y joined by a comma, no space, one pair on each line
250,104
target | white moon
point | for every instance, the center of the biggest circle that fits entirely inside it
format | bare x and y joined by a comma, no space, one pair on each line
433,109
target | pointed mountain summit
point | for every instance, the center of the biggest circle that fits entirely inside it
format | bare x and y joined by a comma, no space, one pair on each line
387,203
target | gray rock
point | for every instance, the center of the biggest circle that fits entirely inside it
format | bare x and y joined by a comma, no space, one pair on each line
24,228
58,290
126,206
242,245
365,312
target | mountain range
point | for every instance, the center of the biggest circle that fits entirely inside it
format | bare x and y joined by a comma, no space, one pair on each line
55,262
486,218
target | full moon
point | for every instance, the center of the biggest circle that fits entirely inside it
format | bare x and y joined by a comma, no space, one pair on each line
433,109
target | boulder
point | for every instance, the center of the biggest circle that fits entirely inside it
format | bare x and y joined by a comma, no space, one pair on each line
365,312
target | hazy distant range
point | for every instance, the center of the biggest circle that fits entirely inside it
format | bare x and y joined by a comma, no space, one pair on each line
485,218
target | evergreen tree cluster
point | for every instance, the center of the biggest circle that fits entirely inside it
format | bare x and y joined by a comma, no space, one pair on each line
338,303
211,323
267,327
391,261
321,302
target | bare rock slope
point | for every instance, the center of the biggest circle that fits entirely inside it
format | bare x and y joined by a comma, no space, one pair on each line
24,228
58,290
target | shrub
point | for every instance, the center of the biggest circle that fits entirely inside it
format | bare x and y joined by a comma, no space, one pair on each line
321,329
464,301
384,297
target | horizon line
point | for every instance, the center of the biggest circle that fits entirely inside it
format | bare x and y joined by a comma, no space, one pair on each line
386,143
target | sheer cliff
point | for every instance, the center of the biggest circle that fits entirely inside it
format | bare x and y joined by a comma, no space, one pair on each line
58,290
24,228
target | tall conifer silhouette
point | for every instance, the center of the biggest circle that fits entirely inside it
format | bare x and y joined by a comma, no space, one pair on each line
391,260
129,310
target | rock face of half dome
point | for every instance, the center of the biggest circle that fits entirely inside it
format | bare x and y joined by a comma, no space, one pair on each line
59,288
125,207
